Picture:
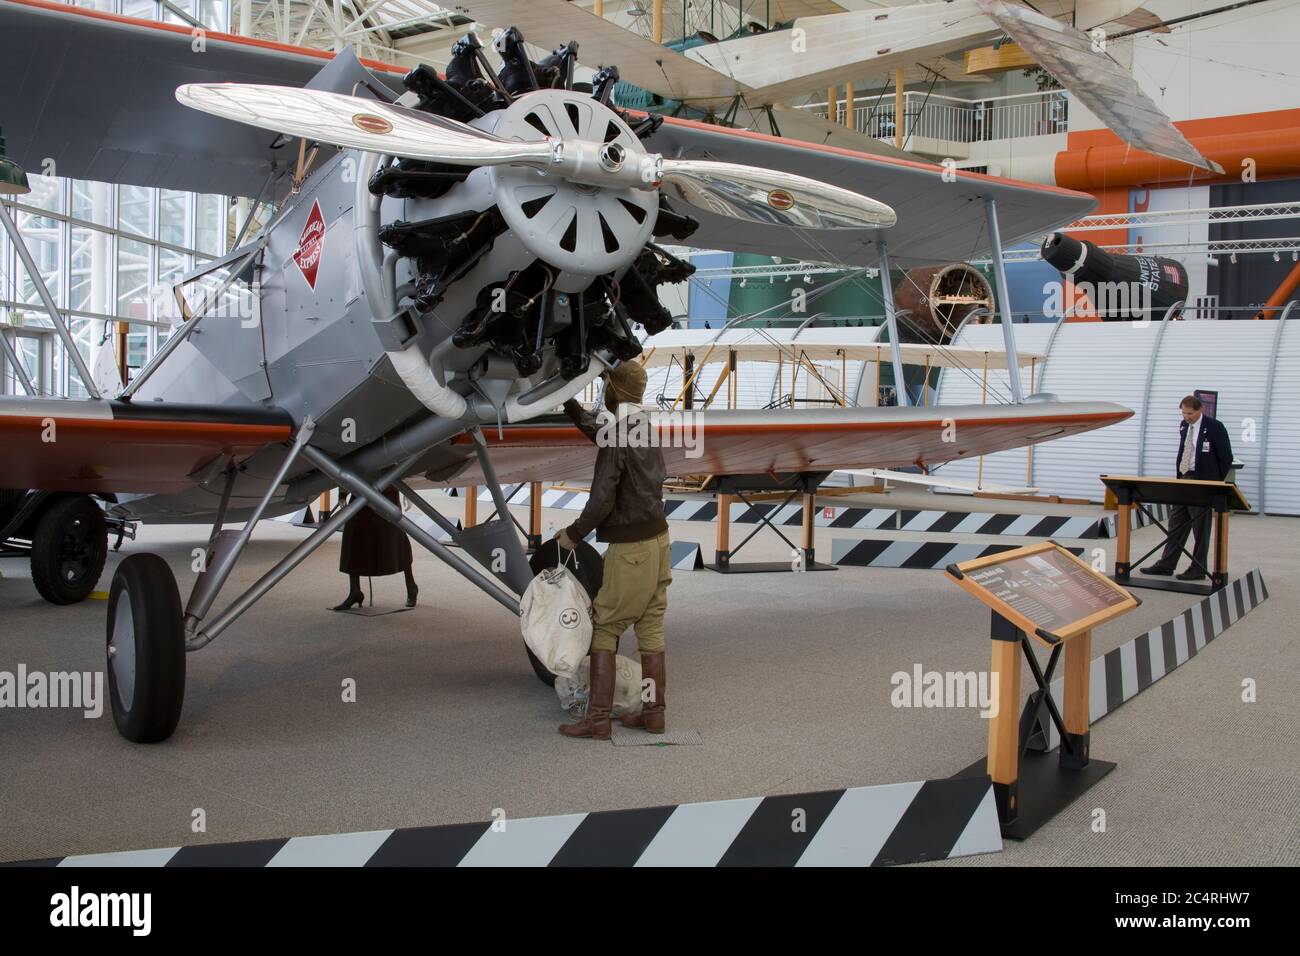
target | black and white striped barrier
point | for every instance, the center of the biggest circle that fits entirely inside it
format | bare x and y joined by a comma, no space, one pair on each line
860,826
884,553
863,519
1108,525
1131,668
1161,513
963,522
686,555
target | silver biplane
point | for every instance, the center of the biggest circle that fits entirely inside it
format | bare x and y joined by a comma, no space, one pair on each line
449,259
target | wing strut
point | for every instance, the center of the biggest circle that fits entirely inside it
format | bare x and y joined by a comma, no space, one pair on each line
891,321
1004,302
372,495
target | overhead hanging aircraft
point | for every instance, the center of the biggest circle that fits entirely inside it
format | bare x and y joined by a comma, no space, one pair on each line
825,43
449,259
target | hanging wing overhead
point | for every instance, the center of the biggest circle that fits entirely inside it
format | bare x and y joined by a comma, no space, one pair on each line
757,442
1101,84
110,447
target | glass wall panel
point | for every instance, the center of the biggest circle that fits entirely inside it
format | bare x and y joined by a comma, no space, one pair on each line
144,9
135,209
42,235
87,333
171,266
47,192
185,5
210,224
90,286
213,14
173,217
133,279
92,202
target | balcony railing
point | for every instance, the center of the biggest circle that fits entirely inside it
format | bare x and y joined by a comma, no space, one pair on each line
948,119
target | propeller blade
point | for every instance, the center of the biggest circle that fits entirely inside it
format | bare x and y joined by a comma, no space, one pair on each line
770,197
357,123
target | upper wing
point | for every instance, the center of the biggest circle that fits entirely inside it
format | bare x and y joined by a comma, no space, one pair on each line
1101,84
757,442
94,94
105,447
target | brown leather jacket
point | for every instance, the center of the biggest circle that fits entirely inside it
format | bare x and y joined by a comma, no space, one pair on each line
626,502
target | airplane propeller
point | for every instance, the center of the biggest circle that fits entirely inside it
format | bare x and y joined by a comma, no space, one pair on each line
764,196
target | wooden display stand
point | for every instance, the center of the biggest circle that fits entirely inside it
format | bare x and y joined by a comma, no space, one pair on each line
1137,491
1044,592
751,489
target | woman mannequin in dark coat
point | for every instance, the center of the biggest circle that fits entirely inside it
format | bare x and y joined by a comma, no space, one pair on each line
374,548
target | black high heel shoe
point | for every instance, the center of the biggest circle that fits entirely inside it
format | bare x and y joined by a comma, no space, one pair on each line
411,593
354,599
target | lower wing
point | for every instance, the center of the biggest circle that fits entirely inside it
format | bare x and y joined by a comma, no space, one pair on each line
757,442
105,447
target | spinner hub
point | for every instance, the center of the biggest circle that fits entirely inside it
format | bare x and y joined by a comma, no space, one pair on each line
584,229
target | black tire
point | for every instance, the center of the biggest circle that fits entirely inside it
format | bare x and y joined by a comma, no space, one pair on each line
146,642
589,572
68,549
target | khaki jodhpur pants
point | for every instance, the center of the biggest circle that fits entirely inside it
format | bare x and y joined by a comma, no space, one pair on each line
633,591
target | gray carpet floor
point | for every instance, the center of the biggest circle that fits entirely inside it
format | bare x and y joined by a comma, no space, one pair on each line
785,677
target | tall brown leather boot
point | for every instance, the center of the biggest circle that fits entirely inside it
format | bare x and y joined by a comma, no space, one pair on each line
652,717
600,701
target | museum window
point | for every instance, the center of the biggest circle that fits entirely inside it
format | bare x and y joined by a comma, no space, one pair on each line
104,252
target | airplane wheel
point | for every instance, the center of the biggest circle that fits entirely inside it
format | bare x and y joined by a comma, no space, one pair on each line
590,571
68,549
146,649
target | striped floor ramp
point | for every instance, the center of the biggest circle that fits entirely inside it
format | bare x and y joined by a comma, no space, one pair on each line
861,826
867,519
1131,668
686,555
884,553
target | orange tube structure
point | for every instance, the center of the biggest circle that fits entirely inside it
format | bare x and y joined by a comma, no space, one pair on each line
1275,153
1282,293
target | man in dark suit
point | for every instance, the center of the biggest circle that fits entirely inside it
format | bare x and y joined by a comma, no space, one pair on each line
1204,454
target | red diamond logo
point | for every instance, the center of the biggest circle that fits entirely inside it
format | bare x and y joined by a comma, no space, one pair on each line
310,245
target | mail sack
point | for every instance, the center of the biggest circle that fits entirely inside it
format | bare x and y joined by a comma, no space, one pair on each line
555,617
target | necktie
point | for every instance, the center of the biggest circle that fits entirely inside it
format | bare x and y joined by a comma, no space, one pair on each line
1189,443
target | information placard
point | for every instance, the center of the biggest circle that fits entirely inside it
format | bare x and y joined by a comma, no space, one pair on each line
1044,590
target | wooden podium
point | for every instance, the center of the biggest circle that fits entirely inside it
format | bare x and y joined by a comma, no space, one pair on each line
1137,491
1044,592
